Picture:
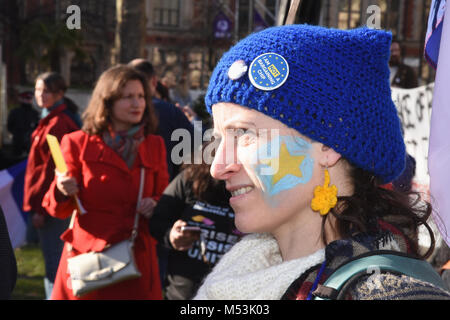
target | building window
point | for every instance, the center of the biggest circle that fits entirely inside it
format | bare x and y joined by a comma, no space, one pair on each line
349,14
166,13
390,18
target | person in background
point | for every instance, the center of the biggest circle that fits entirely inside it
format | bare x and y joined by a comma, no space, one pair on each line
58,117
170,118
307,133
104,162
21,123
401,75
169,80
161,92
181,97
180,94
193,199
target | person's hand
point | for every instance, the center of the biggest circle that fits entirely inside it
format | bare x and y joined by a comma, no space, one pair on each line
37,220
189,113
66,185
146,207
182,240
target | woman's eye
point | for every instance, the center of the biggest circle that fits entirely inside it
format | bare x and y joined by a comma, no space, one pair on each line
130,96
247,132
239,132
245,136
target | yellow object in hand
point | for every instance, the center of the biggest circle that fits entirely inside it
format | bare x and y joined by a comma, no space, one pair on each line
56,153
60,164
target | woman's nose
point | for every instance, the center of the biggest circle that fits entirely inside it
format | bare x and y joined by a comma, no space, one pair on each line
225,162
136,101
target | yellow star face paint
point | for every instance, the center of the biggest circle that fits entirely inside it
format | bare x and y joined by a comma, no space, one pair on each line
291,164
287,164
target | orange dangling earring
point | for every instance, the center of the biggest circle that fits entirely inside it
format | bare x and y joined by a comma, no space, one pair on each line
325,197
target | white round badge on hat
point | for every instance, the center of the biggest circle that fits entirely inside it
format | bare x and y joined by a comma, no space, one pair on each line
237,69
268,71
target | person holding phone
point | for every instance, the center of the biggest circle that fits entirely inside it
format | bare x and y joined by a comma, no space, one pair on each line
194,220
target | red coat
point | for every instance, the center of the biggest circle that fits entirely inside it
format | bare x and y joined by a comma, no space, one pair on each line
108,192
40,167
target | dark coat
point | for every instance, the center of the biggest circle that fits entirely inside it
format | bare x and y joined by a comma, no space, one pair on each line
170,119
21,123
405,78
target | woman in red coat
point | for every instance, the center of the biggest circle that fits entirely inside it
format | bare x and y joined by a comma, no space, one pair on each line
104,161
59,116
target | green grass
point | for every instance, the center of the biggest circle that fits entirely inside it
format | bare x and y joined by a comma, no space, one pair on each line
30,274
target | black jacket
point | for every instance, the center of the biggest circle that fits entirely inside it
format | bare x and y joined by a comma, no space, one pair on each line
213,215
405,78
171,118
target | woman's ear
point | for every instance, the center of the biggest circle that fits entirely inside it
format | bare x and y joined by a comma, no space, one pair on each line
328,157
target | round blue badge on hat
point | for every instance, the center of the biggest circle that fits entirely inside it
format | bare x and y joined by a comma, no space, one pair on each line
268,71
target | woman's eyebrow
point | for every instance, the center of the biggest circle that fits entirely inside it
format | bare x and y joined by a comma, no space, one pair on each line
238,123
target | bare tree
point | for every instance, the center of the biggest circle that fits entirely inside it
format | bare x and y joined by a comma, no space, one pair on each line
130,30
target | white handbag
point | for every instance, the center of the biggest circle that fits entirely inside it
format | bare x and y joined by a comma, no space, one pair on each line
94,270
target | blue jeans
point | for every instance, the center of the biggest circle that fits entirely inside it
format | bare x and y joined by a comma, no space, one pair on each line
51,244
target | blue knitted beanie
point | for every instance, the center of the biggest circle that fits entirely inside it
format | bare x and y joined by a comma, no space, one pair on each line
330,85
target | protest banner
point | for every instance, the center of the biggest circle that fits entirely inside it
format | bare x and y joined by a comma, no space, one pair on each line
414,110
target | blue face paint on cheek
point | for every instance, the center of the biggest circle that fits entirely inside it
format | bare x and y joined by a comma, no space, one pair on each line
284,163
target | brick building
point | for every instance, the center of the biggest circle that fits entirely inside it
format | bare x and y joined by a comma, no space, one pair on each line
185,38
406,19
24,52
181,35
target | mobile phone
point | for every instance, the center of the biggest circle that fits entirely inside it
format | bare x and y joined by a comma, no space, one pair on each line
190,228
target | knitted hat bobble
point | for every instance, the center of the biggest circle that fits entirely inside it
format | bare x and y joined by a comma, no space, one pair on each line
330,85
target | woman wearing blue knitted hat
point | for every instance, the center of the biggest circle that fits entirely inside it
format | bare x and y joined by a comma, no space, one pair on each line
307,133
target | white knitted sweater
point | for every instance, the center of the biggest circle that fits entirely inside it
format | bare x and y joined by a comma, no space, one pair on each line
254,269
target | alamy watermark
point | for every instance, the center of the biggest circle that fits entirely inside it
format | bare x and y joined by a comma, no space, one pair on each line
73,21
374,17
206,147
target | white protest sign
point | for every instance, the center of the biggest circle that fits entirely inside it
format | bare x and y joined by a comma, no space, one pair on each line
414,110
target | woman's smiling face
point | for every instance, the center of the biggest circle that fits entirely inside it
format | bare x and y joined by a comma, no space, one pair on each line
268,168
